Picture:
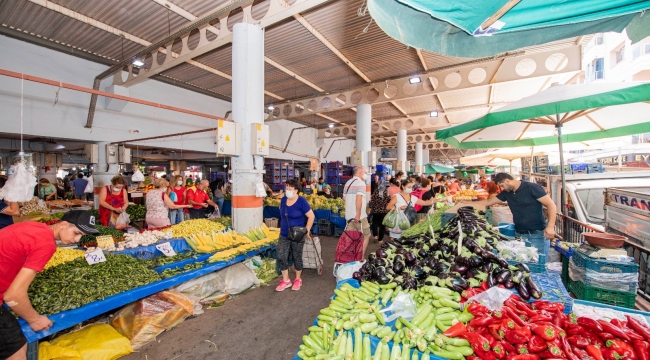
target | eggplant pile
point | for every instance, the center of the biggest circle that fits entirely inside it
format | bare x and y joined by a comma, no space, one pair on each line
412,262
517,276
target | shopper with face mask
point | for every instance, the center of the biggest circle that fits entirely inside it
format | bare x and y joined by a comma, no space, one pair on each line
159,204
113,200
178,190
293,209
354,194
403,200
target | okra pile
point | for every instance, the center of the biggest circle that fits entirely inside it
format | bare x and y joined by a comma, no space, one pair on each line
344,329
75,283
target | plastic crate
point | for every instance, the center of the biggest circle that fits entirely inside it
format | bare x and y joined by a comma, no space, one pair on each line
579,167
335,165
604,266
566,254
338,231
334,172
272,222
272,166
326,230
325,222
605,306
539,267
553,289
314,229
565,271
380,168
604,296
333,179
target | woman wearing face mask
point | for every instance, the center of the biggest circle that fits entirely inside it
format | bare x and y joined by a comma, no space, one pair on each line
402,200
293,209
159,204
176,187
113,200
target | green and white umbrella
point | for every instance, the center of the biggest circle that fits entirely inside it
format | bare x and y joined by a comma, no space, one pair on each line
472,28
560,114
437,168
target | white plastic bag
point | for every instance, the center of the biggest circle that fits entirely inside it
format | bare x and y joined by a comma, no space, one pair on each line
20,185
345,271
215,214
253,263
402,306
237,278
123,221
259,189
202,287
89,187
137,176
493,298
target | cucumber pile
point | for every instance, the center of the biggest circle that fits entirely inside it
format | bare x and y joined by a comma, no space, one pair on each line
353,321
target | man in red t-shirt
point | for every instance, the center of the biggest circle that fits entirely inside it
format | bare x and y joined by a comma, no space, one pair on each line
199,200
25,248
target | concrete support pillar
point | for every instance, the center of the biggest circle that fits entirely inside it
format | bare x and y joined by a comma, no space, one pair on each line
425,156
401,150
364,143
102,172
41,172
418,158
247,109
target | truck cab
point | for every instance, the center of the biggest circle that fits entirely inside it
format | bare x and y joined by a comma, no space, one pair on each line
586,192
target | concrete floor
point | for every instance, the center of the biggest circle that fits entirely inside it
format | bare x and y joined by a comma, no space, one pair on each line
259,324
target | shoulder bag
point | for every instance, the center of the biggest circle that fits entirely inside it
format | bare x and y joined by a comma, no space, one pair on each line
296,233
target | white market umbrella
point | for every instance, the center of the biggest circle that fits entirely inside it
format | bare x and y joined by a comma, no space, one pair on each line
560,114
500,157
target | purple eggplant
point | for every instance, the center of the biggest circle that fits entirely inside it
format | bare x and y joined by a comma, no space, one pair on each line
378,272
401,251
419,273
491,280
423,253
487,267
398,267
381,253
502,276
379,262
410,258
371,257
457,283
356,275
461,269
523,291
383,280
407,241
431,262
535,292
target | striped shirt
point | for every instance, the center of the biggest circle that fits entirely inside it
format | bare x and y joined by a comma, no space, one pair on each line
352,188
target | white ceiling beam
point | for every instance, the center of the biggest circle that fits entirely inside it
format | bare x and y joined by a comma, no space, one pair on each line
424,63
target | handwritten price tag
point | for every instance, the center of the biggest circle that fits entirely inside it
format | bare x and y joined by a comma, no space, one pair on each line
105,242
95,257
166,249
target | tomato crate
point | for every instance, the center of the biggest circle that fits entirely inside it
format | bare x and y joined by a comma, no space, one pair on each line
604,266
604,296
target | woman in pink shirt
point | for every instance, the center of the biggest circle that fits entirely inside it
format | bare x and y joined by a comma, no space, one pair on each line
394,187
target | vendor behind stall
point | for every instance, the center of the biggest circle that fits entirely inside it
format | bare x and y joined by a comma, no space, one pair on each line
46,191
525,200
25,248
113,200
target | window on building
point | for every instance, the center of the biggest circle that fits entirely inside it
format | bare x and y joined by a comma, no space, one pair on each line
637,51
619,55
595,69
647,48
598,40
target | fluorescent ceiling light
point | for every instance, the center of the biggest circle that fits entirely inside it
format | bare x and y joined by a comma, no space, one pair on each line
331,125
138,63
271,107
414,80
434,113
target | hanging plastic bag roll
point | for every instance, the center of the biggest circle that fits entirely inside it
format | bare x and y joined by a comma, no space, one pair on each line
20,184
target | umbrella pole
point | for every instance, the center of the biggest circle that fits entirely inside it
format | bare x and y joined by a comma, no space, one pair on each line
510,166
558,126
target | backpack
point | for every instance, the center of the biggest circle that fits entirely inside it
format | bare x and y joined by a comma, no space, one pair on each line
418,194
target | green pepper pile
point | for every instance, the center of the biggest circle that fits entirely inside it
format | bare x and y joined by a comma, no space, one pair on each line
167,273
75,283
136,212
165,260
90,240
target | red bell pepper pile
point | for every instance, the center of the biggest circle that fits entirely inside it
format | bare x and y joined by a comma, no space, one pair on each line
541,330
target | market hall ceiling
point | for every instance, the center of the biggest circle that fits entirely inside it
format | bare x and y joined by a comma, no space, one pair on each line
314,49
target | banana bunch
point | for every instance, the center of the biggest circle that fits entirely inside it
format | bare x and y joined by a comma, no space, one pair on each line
215,241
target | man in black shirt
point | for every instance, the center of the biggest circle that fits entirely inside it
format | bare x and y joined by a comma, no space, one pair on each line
525,200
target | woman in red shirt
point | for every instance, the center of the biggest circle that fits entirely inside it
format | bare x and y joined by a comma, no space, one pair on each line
113,200
454,187
176,187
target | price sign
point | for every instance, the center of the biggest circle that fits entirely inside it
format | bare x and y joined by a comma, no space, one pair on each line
105,242
95,257
166,249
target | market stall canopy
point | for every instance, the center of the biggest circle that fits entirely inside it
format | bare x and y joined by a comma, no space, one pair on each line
470,28
435,168
499,157
585,112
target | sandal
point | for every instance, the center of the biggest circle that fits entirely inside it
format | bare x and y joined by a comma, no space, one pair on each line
283,285
296,284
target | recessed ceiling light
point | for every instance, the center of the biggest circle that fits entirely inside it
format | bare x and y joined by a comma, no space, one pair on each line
271,107
138,63
414,80
434,113
134,131
331,125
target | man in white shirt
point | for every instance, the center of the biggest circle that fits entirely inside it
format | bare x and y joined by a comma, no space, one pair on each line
354,193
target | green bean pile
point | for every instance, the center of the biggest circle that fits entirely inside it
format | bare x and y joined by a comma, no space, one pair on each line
74,284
